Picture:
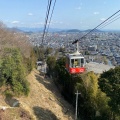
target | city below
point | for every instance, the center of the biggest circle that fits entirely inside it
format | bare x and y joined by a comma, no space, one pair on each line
98,46
94,47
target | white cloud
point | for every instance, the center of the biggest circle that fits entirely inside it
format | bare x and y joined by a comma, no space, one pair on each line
15,22
30,14
39,23
56,22
96,13
102,19
78,8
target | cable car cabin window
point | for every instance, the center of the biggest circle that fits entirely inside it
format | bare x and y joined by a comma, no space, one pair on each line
77,63
72,62
82,62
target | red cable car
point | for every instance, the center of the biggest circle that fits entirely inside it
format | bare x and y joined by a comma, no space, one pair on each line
75,63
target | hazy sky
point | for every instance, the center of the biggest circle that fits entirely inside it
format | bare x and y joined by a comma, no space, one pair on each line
68,14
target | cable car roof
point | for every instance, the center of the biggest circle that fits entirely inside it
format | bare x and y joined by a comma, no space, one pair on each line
75,55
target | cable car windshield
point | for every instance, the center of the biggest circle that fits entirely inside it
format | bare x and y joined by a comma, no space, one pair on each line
77,62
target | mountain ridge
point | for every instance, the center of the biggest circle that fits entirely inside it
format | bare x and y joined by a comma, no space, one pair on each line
34,30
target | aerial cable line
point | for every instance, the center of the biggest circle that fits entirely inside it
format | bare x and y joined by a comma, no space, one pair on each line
46,20
47,12
110,21
51,17
96,27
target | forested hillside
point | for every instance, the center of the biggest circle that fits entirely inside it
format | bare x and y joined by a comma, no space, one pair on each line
99,94
16,61
24,94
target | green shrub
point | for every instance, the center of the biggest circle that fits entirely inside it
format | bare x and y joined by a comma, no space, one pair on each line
13,72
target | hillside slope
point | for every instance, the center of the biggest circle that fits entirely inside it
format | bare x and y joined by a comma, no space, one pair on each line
45,101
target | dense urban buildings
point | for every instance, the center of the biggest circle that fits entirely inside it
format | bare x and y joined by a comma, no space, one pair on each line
93,47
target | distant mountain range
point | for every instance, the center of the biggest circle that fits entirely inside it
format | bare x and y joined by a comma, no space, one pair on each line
96,30
33,30
71,30
25,29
